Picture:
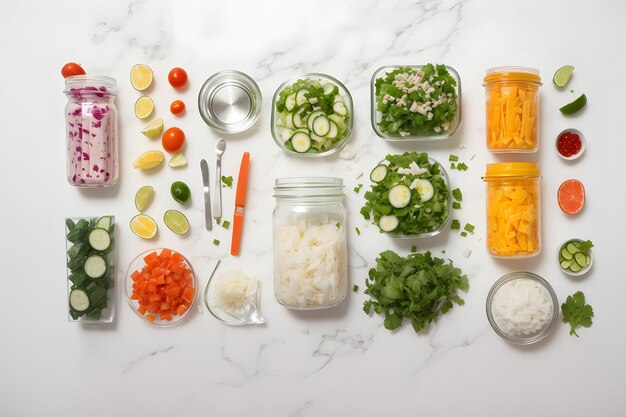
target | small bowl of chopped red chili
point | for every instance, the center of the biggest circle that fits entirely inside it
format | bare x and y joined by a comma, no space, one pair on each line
570,144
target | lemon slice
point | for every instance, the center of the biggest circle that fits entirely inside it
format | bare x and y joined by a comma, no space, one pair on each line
143,226
176,222
563,75
575,106
141,77
177,160
148,160
143,107
154,129
144,197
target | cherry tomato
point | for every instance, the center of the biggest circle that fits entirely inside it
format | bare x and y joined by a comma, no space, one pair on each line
177,107
177,77
72,68
173,139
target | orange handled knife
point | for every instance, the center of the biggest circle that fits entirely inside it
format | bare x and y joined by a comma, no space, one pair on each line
240,202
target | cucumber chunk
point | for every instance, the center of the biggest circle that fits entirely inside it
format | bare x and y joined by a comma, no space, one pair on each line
571,248
565,254
285,134
566,264
388,223
79,300
301,142
333,131
290,102
328,88
574,267
581,259
378,173
105,222
340,108
298,121
95,266
425,190
399,196
302,96
99,239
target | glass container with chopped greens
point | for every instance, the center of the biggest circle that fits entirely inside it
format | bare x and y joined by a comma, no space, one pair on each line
312,115
512,95
310,250
513,209
415,102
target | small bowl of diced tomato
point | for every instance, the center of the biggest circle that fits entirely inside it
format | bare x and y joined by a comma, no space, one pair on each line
570,144
161,286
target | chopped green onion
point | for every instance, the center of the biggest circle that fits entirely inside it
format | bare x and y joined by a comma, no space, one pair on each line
226,224
456,205
338,225
358,232
413,248
355,288
469,227
216,242
456,193
218,220
456,225
452,166
463,234
462,166
228,181
358,188
453,158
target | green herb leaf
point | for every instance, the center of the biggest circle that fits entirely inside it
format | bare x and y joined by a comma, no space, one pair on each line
227,181
585,246
355,288
576,312
358,232
358,188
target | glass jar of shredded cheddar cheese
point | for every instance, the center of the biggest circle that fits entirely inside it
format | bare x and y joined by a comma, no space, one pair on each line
512,109
513,209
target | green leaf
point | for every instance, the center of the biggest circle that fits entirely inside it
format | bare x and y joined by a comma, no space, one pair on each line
227,181
576,312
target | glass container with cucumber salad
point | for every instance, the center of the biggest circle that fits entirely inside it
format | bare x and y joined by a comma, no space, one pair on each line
312,115
90,269
410,196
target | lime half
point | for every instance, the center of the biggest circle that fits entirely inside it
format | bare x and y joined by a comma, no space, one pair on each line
563,75
575,106
143,197
177,161
176,222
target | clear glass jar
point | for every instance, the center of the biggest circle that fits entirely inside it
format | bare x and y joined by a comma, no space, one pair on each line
91,126
512,104
310,250
513,209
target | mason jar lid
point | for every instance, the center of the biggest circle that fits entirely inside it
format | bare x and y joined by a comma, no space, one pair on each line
100,84
512,73
298,187
512,169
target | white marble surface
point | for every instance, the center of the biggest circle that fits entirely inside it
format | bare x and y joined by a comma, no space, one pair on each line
334,362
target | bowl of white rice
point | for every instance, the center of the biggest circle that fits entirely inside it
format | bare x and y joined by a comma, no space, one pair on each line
522,308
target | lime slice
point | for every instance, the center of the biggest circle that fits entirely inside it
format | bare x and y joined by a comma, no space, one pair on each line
563,75
178,160
144,107
143,226
180,191
176,222
575,106
154,129
141,77
144,197
149,160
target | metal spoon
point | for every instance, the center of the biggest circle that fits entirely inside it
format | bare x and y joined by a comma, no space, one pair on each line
220,147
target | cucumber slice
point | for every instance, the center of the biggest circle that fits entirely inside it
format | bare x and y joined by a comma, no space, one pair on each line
312,117
341,124
581,259
340,108
425,190
378,173
297,119
301,142
577,244
301,97
105,222
95,266
321,126
571,248
339,98
334,130
388,223
285,134
79,300
399,196
566,255
574,267
588,259
290,102
317,138
99,239
565,264
289,121
328,89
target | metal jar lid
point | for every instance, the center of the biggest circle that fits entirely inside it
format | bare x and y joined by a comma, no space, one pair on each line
230,101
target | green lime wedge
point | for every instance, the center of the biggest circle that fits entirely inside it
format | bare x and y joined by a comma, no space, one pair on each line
563,75
178,160
154,129
176,222
143,197
575,106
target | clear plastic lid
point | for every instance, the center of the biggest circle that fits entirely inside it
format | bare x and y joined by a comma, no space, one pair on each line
100,84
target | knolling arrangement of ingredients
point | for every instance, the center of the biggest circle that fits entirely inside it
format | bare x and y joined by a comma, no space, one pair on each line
409,196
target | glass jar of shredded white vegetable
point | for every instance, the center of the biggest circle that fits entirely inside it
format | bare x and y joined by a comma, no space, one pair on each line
310,253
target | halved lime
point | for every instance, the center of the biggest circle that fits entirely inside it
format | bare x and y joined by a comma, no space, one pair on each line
141,77
176,222
180,192
575,106
144,107
563,75
154,129
143,197
178,160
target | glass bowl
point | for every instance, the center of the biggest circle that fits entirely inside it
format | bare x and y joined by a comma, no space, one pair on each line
349,123
532,337
376,115
230,101
136,265
567,271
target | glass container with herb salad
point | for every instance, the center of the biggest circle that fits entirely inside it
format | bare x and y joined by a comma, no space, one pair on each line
312,115
419,102
410,196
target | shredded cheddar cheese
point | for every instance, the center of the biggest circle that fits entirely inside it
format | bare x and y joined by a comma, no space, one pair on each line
512,116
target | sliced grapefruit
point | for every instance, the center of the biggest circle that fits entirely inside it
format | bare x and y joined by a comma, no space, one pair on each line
571,196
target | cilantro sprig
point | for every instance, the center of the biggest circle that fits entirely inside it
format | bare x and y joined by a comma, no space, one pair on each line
576,312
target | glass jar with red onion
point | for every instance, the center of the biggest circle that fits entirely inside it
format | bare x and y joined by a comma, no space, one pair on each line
91,126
